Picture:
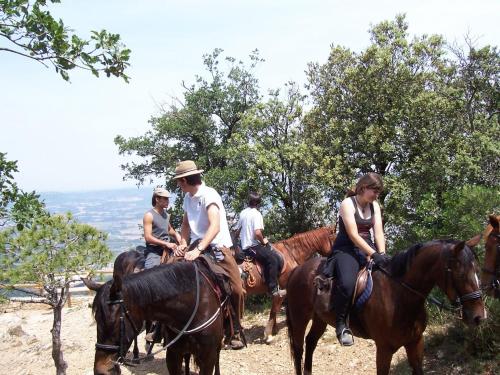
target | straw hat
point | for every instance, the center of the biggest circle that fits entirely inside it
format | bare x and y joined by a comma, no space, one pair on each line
161,192
186,168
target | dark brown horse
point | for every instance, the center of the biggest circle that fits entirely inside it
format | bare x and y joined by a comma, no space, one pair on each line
181,296
295,250
490,274
394,315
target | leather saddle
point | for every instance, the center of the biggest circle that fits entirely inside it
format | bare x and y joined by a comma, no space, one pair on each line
249,262
324,286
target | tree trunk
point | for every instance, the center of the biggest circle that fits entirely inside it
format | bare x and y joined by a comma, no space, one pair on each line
57,354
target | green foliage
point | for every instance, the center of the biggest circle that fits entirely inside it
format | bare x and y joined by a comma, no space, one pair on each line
50,253
462,214
272,150
32,32
199,128
409,110
16,206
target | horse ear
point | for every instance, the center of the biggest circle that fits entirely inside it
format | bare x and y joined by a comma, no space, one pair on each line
116,287
458,248
91,284
473,241
494,221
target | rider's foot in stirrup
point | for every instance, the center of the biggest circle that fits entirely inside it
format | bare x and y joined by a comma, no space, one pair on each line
236,342
277,292
345,337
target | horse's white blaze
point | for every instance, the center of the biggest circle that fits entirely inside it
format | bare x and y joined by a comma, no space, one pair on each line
477,279
479,287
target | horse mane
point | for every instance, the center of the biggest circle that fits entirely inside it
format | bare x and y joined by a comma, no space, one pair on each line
307,240
402,261
159,283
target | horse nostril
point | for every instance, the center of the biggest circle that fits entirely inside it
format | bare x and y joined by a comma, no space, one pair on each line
477,320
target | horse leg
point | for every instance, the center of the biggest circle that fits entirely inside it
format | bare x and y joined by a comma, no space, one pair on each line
187,357
318,327
208,361
384,357
415,354
136,352
296,332
174,362
271,327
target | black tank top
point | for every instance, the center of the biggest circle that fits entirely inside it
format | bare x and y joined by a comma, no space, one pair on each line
364,225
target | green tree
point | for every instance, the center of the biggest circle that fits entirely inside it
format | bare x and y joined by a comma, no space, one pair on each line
462,214
16,206
31,31
51,252
272,150
198,127
397,108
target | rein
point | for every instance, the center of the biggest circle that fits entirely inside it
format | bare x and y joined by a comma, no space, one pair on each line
458,303
124,313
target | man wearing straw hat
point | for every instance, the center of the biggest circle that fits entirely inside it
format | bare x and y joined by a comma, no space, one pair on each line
205,221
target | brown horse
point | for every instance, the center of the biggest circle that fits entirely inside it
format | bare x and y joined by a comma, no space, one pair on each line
295,250
181,296
394,315
491,269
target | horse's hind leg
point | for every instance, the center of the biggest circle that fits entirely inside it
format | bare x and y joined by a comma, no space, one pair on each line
318,327
271,327
415,354
174,362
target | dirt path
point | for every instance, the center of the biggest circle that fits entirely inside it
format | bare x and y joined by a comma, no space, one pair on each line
25,347
28,350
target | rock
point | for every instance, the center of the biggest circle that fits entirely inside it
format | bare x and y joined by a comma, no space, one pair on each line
15,329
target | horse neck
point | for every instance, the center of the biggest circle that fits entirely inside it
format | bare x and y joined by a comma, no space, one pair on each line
305,245
426,270
491,260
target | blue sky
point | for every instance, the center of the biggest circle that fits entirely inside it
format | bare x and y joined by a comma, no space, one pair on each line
62,133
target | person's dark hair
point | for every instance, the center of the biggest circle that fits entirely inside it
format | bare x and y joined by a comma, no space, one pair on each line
194,179
371,180
254,199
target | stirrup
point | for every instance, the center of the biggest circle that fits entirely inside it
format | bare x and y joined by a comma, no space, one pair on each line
278,292
346,337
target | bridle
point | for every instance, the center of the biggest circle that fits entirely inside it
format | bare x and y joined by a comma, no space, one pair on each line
124,314
459,301
495,272
120,348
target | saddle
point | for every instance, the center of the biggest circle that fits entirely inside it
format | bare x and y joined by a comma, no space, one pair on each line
362,291
250,262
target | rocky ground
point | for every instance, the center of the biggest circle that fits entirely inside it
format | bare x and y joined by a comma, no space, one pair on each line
25,347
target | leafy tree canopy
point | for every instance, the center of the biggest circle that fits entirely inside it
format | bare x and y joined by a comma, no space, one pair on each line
29,30
16,206
410,110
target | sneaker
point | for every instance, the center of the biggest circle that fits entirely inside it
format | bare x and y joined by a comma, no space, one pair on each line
345,337
236,343
279,292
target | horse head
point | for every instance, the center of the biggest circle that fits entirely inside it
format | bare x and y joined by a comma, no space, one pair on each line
491,269
116,329
461,284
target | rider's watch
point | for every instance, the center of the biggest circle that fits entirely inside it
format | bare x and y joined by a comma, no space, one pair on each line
199,248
